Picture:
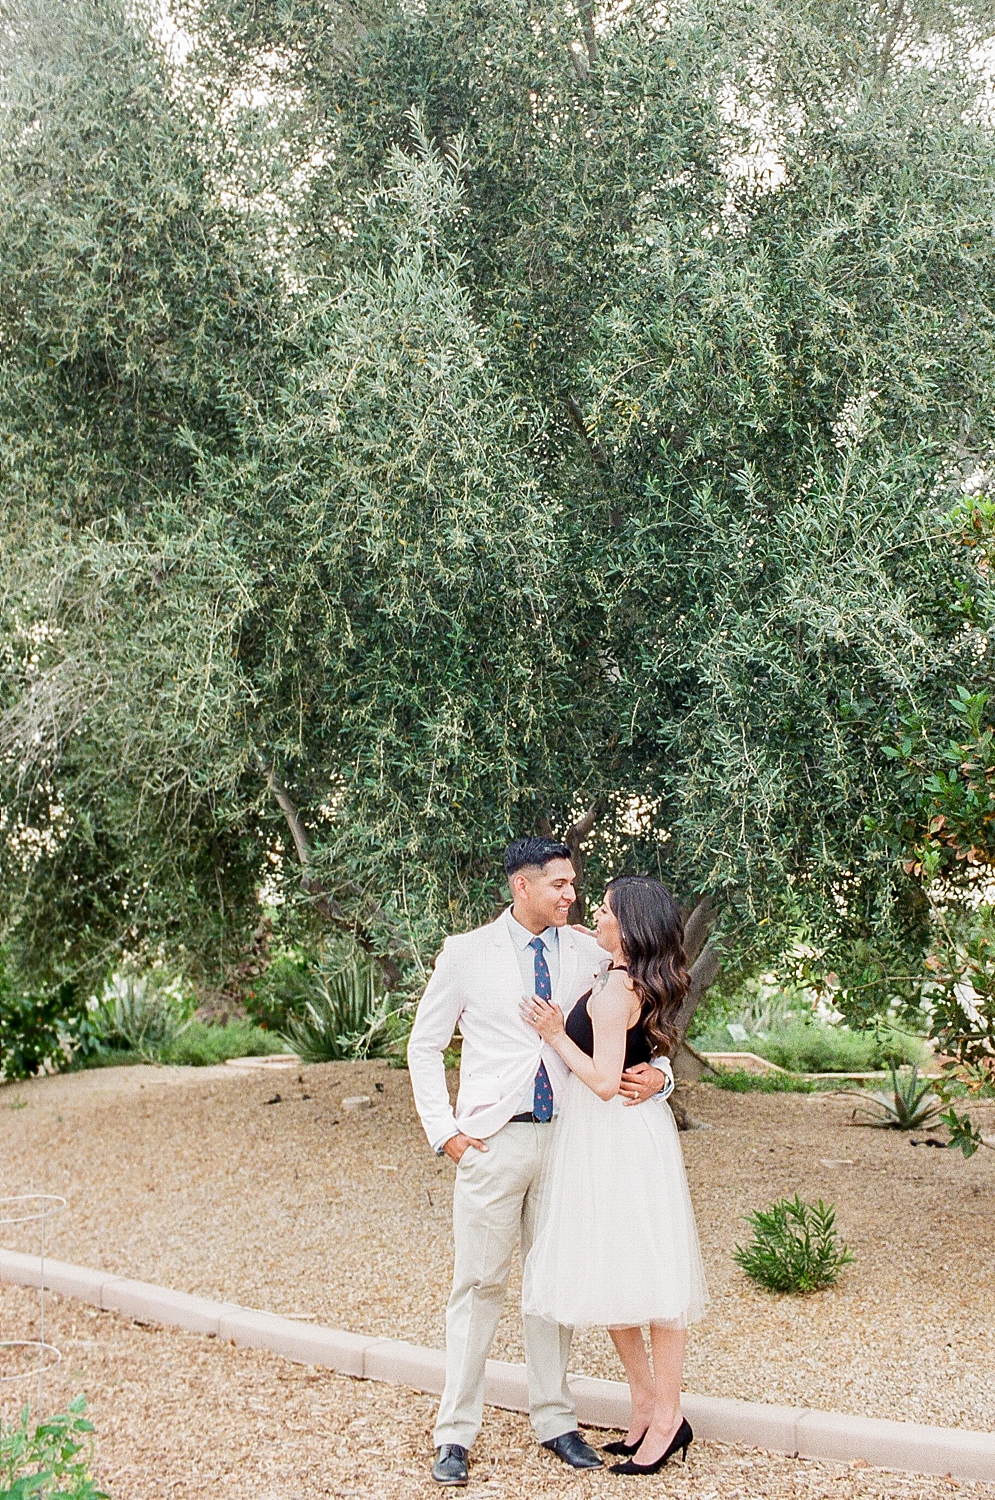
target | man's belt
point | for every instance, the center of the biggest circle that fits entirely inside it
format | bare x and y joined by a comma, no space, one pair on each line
527,1120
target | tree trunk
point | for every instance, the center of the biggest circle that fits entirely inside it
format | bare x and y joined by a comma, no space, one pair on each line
705,968
574,840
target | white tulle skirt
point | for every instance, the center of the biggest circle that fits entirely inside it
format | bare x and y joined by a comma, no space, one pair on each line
616,1243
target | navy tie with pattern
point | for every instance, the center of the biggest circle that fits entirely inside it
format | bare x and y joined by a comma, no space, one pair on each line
542,1103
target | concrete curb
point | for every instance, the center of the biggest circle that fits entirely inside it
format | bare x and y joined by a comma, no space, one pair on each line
833,1436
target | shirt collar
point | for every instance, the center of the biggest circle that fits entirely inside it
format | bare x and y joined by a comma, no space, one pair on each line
522,937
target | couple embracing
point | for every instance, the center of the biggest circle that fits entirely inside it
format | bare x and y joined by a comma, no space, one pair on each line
563,1141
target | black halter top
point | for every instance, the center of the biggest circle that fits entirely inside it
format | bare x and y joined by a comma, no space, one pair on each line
580,1029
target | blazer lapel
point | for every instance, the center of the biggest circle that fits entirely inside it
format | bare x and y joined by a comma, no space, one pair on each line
506,957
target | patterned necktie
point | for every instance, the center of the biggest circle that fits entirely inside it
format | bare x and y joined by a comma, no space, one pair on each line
542,1103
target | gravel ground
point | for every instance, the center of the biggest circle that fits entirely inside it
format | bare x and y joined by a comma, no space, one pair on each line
182,1416
197,1179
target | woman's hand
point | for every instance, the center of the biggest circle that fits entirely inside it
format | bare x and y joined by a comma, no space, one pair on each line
543,1016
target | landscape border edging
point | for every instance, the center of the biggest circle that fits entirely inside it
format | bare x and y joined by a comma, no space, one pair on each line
797,1431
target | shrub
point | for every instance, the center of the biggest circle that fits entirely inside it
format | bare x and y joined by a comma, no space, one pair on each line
41,1031
346,1020
808,1048
34,1032
141,1015
281,991
50,1461
739,1081
794,1247
200,1044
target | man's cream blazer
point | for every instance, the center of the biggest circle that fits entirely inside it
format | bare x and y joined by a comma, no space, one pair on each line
477,986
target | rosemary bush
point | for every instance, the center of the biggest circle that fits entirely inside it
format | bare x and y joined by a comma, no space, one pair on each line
794,1248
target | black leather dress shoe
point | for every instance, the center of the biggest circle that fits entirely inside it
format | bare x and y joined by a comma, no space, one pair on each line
573,1450
450,1464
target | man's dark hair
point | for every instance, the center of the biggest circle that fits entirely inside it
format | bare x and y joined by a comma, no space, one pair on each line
534,852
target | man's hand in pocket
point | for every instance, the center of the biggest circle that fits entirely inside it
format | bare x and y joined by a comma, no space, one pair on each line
457,1144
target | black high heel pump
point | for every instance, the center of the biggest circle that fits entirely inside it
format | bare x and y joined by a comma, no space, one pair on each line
682,1439
622,1447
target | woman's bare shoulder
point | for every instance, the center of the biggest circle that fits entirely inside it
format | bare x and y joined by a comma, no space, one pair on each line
611,992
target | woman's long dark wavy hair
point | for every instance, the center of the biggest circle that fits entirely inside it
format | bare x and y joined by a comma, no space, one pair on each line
653,938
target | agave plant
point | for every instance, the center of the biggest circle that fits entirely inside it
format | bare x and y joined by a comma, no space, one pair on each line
344,1020
910,1104
139,1014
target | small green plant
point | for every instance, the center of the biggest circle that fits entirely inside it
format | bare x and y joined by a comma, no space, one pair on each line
50,1461
739,1081
345,1021
910,1104
282,990
794,1247
964,1136
141,1015
40,1031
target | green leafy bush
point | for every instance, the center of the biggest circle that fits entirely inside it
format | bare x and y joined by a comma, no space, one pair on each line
806,1048
794,1247
345,1020
201,1044
281,991
41,1031
809,1047
50,1461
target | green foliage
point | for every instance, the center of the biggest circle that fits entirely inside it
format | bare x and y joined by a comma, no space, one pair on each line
466,432
946,766
200,1044
964,1136
911,1104
142,1014
795,1247
33,1032
804,1047
344,1020
739,1081
280,991
41,1031
50,1460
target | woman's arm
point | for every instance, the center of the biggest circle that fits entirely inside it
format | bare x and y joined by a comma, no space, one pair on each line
610,1010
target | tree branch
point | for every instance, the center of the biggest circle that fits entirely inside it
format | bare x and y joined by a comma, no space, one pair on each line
704,972
590,40
329,908
697,928
889,43
598,455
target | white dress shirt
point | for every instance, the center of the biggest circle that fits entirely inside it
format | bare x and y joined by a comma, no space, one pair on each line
523,940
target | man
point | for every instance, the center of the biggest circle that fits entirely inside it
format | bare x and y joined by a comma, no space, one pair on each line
498,1134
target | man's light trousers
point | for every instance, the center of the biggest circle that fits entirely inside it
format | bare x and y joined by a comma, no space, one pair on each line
495,1202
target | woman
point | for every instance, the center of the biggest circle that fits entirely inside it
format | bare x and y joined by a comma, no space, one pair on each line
616,1243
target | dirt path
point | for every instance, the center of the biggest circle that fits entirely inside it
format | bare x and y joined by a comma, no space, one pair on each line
188,1418
192,1179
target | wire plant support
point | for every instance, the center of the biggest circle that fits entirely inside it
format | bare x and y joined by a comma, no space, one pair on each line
31,1208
